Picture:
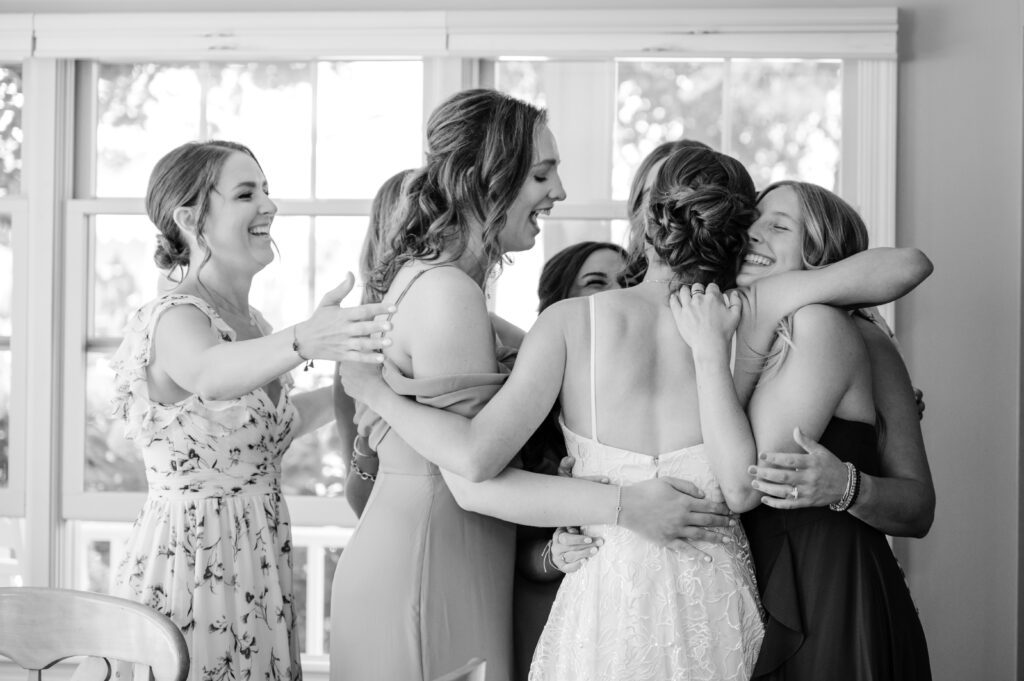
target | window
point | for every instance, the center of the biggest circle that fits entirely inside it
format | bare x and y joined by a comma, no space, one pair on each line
781,117
341,108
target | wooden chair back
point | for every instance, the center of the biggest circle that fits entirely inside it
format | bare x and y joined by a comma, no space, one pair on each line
474,670
40,627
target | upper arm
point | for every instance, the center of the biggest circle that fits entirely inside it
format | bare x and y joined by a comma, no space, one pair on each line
806,390
182,334
871,277
903,452
445,326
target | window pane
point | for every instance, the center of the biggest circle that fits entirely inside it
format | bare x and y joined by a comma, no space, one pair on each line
144,111
522,79
12,99
369,125
6,274
112,463
269,108
5,415
315,463
515,291
124,274
661,101
786,119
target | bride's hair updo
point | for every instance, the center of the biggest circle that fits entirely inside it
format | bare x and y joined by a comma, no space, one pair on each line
480,147
185,177
701,204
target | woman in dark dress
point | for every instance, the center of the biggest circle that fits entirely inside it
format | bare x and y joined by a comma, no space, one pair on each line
836,600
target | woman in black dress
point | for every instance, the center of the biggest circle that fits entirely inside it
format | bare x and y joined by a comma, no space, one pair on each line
836,600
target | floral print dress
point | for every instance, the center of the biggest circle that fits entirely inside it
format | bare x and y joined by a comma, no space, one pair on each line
211,547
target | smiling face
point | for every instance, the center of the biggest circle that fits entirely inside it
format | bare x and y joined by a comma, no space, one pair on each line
776,237
237,226
599,272
542,189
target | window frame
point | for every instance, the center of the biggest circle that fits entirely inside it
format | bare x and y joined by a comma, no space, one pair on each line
54,210
12,497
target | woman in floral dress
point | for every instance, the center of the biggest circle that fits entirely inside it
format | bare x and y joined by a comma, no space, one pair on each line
202,383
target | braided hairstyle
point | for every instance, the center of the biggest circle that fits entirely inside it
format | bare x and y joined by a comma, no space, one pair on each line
636,262
701,204
480,147
185,176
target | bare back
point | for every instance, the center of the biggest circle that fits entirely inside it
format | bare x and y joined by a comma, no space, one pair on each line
646,395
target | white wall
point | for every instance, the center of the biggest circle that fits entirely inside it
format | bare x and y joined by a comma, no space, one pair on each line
960,151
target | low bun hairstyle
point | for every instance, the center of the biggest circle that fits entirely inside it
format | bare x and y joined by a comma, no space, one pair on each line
185,176
701,204
480,147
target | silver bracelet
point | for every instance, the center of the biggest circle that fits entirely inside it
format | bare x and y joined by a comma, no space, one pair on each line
355,464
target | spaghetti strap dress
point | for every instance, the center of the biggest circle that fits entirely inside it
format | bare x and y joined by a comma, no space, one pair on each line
639,611
211,547
837,602
423,585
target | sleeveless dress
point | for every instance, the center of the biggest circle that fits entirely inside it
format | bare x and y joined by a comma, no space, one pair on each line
838,605
639,611
211,547
423,585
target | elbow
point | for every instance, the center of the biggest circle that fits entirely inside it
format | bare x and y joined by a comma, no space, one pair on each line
919,268
741,499
479,467
923,519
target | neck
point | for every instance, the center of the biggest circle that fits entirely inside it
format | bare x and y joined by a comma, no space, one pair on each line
472,261
229,290
657,270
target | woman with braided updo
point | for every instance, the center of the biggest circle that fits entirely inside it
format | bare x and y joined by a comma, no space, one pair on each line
203,387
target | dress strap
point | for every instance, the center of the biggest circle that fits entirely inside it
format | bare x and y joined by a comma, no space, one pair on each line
593,369
408,286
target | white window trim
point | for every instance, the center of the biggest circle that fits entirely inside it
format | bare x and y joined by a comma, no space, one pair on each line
15,37
12,498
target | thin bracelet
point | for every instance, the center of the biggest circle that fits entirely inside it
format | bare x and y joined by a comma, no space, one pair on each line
295,347
618,506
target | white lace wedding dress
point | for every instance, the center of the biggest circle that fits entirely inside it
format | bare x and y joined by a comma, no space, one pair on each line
637,611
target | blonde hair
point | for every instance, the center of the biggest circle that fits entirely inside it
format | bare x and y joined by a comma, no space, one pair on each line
833,230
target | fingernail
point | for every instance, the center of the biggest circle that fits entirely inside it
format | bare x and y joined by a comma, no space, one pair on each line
605,480
599,542
752,470
592,551
386,326
726,540
587,540
392,308
732,523
707,559
755,484
763,456
379,359
386,342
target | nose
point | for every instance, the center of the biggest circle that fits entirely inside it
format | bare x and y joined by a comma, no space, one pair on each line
754,233
268,207
557,191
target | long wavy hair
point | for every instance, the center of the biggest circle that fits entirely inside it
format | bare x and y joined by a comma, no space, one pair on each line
379,228
480,147
697,215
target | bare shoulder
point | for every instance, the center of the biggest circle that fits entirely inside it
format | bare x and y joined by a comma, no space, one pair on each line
826,327
442,295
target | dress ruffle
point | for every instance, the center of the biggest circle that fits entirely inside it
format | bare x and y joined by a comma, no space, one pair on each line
145,418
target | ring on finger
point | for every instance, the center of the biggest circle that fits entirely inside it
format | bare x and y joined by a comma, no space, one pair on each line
795,493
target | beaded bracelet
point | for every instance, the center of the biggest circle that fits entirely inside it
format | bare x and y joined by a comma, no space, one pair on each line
295,347
851,491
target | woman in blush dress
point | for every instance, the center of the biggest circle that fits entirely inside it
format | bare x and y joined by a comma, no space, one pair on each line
425,583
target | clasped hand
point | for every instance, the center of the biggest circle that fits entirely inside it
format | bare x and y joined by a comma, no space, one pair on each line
817,475
705,317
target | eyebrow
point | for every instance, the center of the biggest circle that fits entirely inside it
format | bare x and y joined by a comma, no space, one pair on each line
593,274
247,185
545,162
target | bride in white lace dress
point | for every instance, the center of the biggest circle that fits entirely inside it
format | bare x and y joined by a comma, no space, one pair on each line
627,384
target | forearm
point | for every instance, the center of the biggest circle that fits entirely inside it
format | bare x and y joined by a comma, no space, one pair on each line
877,276
449,440
537,500
896,506
315,407
230,370
727,436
